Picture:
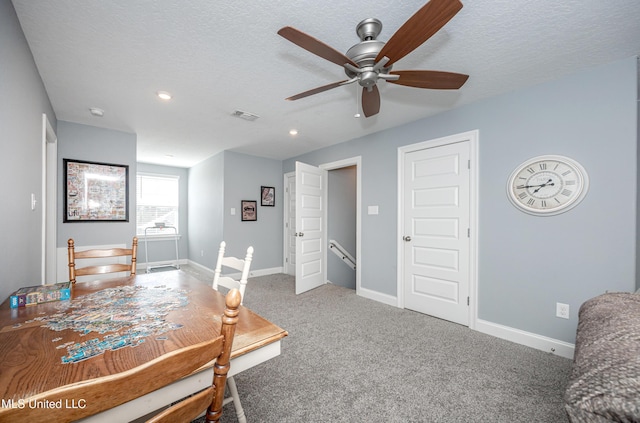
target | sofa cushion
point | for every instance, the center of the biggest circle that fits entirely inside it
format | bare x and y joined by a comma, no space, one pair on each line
605,380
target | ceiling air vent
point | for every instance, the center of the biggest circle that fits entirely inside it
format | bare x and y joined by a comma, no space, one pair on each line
245,115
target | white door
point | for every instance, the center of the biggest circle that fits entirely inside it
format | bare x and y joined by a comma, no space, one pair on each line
290,224
436,205
309,227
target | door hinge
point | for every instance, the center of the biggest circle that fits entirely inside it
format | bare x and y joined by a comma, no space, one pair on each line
468,232
286,224
467,300
286,260
468,164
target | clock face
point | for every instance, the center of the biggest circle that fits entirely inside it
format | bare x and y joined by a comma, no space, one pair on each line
547,185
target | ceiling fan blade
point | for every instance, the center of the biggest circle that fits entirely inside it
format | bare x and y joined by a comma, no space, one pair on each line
314,46
316,90
435,80
419,28
370,101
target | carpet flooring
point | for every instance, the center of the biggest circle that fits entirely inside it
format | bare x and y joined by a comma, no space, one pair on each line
351,359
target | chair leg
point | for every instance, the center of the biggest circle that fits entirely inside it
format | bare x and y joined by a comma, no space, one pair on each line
233,390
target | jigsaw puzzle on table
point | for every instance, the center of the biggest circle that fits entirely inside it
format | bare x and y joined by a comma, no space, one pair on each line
127,315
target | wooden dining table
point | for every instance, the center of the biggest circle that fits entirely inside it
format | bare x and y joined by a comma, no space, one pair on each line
36,343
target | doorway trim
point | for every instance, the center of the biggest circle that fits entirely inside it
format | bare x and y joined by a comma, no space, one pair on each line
473,138
49,204
285,245
357,162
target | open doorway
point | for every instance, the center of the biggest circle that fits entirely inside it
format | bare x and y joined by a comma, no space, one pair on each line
341,226
341,213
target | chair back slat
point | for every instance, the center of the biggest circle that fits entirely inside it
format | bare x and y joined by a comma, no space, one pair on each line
99,269
186,410
243,265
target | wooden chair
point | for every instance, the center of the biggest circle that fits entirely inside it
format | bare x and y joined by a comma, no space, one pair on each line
212,397
241,285
101,254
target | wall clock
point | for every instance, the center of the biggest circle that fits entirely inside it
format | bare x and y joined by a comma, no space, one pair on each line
547,185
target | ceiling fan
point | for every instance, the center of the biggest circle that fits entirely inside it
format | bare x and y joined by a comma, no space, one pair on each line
371,60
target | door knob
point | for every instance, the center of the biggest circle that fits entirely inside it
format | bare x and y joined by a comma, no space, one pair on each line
300,234
407,238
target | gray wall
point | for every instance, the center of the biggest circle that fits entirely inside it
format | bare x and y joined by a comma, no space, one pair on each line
638,199
220,183
165,250
206,196
83,142
243,177
22,104
526,263
341,223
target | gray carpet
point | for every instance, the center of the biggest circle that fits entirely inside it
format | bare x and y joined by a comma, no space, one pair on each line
350,359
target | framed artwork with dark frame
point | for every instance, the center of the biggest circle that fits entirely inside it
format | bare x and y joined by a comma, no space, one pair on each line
267,196
95,192
249,210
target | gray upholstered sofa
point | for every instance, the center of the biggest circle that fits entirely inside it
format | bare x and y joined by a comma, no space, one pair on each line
605,380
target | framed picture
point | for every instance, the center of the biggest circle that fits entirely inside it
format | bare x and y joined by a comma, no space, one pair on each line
95,192
249,210
267,196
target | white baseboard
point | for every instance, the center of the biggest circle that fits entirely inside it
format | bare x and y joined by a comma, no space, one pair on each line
201,267
252,273
529,339
533,340
144,265
266,272
379,297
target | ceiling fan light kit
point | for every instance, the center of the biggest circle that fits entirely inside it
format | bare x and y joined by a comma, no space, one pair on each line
371,59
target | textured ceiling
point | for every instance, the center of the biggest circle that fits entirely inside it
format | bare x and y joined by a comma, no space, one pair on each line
219,56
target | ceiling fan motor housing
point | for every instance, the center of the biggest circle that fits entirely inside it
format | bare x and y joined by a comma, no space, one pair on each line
365,52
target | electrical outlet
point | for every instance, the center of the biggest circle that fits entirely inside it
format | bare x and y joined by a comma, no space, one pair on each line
562,310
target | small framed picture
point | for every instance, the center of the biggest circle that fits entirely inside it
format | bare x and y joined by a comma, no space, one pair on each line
249,210
268,196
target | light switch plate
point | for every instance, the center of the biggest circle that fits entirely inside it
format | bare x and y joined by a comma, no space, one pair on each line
372,210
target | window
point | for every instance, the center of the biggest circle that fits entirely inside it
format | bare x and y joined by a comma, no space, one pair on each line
156,202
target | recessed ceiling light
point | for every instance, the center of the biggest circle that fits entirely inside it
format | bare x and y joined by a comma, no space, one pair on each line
293,132
164,95
96,112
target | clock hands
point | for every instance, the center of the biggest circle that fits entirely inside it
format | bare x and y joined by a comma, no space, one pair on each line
548,183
